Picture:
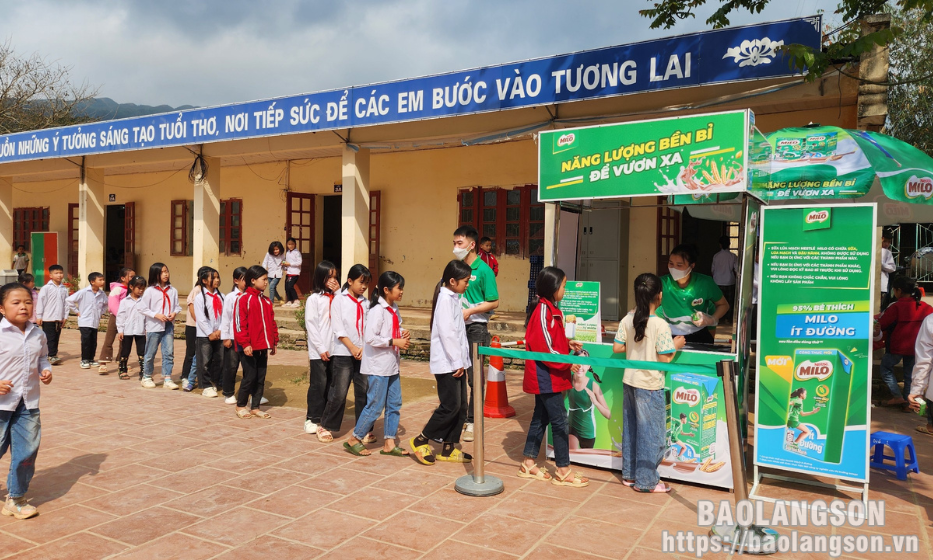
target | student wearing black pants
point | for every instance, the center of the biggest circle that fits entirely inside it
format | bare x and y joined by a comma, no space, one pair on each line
126,346
53,331
231,365
210,363
254,379
88,343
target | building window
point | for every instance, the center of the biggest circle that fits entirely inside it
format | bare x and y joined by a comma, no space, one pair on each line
26,221
182,226
231,230
512,218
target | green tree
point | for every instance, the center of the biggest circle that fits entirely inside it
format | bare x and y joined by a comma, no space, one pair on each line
36,93
910,100
846,44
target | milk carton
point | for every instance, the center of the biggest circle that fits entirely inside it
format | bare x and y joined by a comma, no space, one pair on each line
818,404
694,410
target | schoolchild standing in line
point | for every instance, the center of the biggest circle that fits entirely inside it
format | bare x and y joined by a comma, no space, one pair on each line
383,342
208,312
90,304
256,332
450,356
160,306
231,351
52,309
320,342
347,320
131,327
189,367
118,291
24,362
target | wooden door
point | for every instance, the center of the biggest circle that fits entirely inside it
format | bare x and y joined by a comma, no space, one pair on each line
129,235
668,235
375,226
300,225
73,220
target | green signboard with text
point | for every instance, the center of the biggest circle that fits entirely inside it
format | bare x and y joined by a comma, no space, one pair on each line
814,339
581,311
696,155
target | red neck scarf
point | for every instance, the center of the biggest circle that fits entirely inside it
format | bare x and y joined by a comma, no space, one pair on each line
396,325
166,301
359,314
218,304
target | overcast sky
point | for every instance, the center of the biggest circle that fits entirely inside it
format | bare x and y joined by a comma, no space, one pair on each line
209,52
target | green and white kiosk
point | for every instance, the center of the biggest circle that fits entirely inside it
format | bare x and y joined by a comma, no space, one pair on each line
825,191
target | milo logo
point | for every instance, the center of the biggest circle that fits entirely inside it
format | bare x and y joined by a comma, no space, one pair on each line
566,140
817,217
697,302
917,187
814,370
788,143
688,397
816,138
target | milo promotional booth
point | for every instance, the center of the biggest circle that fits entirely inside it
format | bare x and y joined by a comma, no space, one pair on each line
825,193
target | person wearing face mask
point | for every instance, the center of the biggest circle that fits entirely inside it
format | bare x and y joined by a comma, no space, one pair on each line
479,300
693,304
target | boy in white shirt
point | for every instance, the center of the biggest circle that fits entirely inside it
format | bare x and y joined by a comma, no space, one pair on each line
90,304
52,309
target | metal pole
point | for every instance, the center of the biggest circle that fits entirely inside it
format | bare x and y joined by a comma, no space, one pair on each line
745,540
478,484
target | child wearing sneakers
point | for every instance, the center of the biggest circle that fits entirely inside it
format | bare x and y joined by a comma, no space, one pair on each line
160,306
90,304
24,362
131,326
52,309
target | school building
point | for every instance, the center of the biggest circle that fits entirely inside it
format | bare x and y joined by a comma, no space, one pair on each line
382,174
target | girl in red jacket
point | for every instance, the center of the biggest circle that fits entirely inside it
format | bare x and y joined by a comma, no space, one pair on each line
257,335
902,321
547,380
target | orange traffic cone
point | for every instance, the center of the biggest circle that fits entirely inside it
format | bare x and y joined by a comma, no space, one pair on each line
497,397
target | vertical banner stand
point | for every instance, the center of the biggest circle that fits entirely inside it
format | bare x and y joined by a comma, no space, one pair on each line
743,540
478,484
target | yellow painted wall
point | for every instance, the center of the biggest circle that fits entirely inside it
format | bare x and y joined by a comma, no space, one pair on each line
55,195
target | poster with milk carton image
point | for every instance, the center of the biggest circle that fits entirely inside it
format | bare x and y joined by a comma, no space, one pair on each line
815,330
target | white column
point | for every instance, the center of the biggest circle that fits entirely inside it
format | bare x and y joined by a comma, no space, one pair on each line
354,222
91,203
551,223
6,222
206,240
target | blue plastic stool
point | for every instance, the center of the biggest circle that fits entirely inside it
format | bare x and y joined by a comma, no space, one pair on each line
899,444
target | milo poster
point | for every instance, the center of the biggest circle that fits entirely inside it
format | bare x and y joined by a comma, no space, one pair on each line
697,443
814,339
580,305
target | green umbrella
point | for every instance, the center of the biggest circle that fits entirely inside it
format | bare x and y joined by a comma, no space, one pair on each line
828,162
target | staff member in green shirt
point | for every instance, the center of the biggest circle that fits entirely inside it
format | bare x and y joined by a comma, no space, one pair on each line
693,304
479,300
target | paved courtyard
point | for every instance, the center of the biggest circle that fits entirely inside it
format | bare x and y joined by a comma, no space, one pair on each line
125,472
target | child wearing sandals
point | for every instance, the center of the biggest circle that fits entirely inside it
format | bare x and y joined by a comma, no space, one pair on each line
256,333
24,362
383,341
450,356
548,380
131,326
645,337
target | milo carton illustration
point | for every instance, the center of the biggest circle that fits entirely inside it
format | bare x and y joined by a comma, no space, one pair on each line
693,411
818,404
789,149
823,143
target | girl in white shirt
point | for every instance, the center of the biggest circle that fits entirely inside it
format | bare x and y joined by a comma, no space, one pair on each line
160,305
231,352
347,320
383,342
24,362
450,356
208,312
320,342
273,263
131,326
292,264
